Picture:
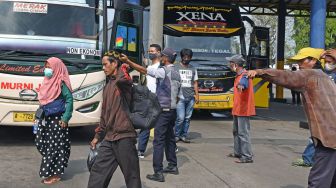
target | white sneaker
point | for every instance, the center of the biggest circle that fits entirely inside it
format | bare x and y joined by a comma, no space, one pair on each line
141,155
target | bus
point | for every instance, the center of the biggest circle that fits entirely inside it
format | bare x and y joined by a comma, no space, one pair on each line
78,32
214,31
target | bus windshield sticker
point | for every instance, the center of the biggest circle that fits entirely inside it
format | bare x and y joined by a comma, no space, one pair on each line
194,20
83,51
30,7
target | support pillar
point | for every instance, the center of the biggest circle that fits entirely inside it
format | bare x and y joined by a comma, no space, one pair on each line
281,46
318,23
156,22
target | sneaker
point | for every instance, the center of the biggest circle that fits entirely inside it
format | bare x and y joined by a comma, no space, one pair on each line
300,162
141,155
177,139
176,149
185,140
156,177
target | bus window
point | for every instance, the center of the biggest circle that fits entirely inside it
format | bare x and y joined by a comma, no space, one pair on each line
126,38
121,37
132,38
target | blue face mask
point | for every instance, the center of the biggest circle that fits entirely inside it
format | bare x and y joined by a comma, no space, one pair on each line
48,72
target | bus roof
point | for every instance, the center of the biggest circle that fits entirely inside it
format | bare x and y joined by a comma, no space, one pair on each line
81,3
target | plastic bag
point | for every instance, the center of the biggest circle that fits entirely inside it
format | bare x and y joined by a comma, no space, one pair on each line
93,153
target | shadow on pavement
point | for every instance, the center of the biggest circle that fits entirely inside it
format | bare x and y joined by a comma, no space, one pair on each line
23,136
292,186
75,167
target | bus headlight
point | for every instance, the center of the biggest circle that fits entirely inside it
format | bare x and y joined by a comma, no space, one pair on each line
88,92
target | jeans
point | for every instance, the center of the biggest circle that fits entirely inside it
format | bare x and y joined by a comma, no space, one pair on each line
184,110
308,153
241,136
143,140
164,140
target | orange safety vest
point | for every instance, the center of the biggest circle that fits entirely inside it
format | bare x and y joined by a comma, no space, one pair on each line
243,102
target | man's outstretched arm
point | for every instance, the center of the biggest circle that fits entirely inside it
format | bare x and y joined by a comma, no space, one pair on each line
135,66
292,80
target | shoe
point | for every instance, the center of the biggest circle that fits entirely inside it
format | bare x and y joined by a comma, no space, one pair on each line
141,155
176,149
177,139
232,155
300,162
156,177
241,160
171,170
185,140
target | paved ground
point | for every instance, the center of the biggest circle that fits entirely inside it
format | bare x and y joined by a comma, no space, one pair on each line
277,140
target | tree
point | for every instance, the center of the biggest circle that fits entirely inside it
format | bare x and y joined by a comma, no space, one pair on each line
302,32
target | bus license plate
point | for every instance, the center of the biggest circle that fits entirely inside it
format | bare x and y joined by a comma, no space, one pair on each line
24,117
208,104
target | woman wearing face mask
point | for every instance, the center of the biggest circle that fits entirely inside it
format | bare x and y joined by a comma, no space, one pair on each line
52,138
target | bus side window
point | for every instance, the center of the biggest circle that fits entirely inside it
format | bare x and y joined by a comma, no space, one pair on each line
126,38
121,37
132,39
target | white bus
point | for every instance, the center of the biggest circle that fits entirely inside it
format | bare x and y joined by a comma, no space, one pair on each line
31,31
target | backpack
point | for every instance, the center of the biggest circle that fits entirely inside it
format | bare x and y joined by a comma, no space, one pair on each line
145,108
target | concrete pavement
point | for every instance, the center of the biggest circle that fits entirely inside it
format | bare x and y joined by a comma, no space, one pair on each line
276,137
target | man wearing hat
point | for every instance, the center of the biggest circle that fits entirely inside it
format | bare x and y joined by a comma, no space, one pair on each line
168,88
318,92
243,108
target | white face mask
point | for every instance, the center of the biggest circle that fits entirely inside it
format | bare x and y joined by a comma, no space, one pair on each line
330,67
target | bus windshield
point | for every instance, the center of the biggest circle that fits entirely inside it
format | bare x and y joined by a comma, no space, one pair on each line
204,48
69,29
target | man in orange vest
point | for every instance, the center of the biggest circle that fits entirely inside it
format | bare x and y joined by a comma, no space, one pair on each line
243,108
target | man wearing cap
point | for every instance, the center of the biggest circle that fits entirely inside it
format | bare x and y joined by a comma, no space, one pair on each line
243,108
167,90
318,92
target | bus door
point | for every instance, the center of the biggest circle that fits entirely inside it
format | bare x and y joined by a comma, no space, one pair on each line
258,58
126,35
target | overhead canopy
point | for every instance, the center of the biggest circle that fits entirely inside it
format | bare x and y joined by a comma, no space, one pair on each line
269,7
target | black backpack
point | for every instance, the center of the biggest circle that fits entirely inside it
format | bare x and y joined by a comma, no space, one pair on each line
145,108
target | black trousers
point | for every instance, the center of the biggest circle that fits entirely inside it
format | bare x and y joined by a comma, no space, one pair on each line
296,97
164,140
111,154
323,172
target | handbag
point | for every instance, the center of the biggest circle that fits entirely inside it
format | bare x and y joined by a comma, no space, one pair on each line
55,107
39,114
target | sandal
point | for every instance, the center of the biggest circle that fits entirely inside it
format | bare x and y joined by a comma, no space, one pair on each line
232,155
51,180
244,161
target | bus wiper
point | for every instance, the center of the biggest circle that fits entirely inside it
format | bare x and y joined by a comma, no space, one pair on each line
79,63
214,65
12,53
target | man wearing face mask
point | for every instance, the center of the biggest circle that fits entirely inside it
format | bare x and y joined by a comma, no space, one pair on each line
330,63
154,56
168,87
318,92
307,159
188,97
243,108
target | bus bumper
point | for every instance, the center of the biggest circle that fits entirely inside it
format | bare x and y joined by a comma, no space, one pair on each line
215,102
21,113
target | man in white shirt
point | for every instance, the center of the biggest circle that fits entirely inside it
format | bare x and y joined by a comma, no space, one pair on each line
154,54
